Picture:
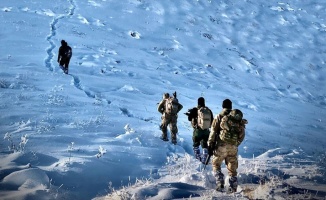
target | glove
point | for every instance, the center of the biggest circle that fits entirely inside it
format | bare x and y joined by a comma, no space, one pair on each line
210,150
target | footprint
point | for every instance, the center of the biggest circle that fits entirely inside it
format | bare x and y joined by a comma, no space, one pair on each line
134,34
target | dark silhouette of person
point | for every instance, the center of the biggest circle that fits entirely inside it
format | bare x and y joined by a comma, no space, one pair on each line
64,56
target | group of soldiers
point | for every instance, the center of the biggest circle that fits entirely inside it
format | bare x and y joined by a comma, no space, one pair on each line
217,136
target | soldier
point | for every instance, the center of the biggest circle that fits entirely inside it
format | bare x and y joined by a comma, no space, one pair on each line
64,56
227,133
201,118
169,108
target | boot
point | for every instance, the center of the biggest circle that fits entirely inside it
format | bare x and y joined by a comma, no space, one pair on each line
219,180
174,138
164,136
174,141
233,183
197,153
204,156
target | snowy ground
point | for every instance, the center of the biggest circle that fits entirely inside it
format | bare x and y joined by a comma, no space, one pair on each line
93,134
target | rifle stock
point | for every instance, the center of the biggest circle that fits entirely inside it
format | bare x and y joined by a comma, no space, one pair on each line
207,161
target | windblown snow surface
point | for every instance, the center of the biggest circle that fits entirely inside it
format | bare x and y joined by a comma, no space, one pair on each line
94,133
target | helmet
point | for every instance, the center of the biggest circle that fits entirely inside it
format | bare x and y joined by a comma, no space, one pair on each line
236,114
166,95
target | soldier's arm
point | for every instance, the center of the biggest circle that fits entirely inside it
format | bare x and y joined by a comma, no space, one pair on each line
180,107
224,124
242,132
213,132
241,136
212,117
194,116
59,54
70,51
194,122
160,107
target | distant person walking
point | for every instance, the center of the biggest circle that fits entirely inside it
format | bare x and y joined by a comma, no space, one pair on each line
169,108
64,56
201,118
227,133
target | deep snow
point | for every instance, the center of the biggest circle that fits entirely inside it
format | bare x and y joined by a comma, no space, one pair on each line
93,134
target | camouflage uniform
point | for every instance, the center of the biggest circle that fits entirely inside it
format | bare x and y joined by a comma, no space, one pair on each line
199,136
224,152
168,120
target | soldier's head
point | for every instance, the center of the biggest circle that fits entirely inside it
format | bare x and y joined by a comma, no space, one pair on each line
201,101
63,43
227,103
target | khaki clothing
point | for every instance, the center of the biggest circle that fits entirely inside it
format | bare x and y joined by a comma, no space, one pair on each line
229,154
171,121
215,128
161,106
237,127
168,120
223,151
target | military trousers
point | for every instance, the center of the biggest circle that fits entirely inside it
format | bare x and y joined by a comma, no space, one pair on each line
171,121
227,153
200,137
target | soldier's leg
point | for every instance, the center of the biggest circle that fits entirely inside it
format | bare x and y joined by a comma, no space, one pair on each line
232,166
67,65
204,138
196,144
174,129
62,61
219,156
67,62
164,128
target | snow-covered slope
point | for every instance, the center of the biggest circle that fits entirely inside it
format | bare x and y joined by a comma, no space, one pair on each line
94,132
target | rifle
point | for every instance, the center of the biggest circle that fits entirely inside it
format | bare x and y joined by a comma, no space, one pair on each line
207,161
211,148
191,113
187,113
213,145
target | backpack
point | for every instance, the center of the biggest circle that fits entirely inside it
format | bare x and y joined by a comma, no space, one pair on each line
171,106
204,118
68,52
231,127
